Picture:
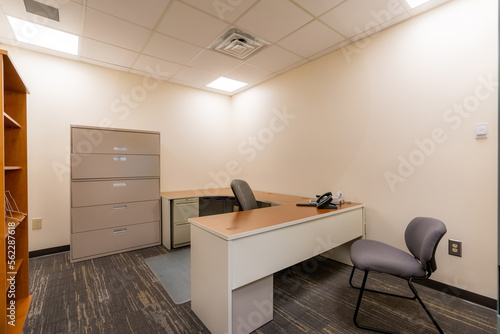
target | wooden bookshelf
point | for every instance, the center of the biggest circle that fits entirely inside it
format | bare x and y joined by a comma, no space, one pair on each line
14,272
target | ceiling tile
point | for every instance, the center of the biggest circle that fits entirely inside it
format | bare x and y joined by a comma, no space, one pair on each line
317,7
171,49
214,62
354,16
375,30
156,67
311,39
248,73
330,49
289,68
102,64
70,15
115,31
224,10
274,58
194,76
142,12
107,53
273,19
191,25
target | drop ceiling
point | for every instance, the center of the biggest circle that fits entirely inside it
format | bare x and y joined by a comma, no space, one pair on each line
175,39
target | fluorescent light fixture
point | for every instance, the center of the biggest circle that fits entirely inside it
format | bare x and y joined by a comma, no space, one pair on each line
39,35
226,84
416,3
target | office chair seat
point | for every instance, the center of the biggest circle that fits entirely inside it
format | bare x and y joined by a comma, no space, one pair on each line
377,256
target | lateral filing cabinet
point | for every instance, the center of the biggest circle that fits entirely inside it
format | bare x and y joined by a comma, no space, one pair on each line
115,191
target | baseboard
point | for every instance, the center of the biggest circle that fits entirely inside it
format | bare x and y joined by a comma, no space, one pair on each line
460,293
49,251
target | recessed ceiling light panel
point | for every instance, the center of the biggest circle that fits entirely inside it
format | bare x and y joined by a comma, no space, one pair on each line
226,84
35,34
416,3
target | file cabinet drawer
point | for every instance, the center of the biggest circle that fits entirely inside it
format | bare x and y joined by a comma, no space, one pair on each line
114,240
94,166
84,140
87,193
107,216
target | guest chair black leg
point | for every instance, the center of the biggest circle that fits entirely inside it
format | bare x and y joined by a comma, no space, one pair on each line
376,291
423,306
360,297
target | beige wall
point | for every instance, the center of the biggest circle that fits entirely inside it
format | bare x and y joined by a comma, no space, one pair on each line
345,122
411,93
195,130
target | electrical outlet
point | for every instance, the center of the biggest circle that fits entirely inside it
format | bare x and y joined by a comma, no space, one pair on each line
455,247
36,223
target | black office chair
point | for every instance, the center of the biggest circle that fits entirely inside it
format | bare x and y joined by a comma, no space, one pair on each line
244,195
422,236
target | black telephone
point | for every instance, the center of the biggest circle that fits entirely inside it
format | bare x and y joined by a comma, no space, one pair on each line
323,200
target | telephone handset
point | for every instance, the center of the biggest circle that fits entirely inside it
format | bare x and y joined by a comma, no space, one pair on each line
323,200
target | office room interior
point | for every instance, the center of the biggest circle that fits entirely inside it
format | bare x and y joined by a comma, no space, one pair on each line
389,119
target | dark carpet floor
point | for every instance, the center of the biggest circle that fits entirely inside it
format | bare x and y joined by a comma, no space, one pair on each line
119,294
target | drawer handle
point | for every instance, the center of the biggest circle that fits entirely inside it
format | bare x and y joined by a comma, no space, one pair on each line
119,207
120,230
120,158
120,148
120,184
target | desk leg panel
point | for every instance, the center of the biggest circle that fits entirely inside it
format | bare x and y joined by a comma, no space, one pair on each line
262,254
210,285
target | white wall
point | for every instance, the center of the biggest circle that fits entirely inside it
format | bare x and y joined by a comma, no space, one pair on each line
359,112
195,130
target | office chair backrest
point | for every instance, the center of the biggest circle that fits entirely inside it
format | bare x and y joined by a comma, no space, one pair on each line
422,236
244,195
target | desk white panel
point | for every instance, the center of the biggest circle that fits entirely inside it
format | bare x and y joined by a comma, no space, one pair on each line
210,288
262,254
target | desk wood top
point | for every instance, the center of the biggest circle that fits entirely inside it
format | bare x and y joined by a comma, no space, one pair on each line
230,226
262,196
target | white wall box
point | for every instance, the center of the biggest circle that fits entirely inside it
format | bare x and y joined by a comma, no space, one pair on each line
115,191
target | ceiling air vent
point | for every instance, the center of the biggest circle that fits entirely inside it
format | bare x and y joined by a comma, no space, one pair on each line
40,9
238,44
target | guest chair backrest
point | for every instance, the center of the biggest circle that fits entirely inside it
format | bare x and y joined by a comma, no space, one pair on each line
422,236
244,195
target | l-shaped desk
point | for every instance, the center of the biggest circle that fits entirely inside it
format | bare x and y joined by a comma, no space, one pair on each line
234,255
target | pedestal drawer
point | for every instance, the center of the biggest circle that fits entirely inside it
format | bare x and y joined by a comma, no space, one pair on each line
90,218
87,193
95,166
86,141
113,240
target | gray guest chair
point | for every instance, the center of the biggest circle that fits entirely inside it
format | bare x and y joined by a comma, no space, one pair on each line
422,236
244,195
